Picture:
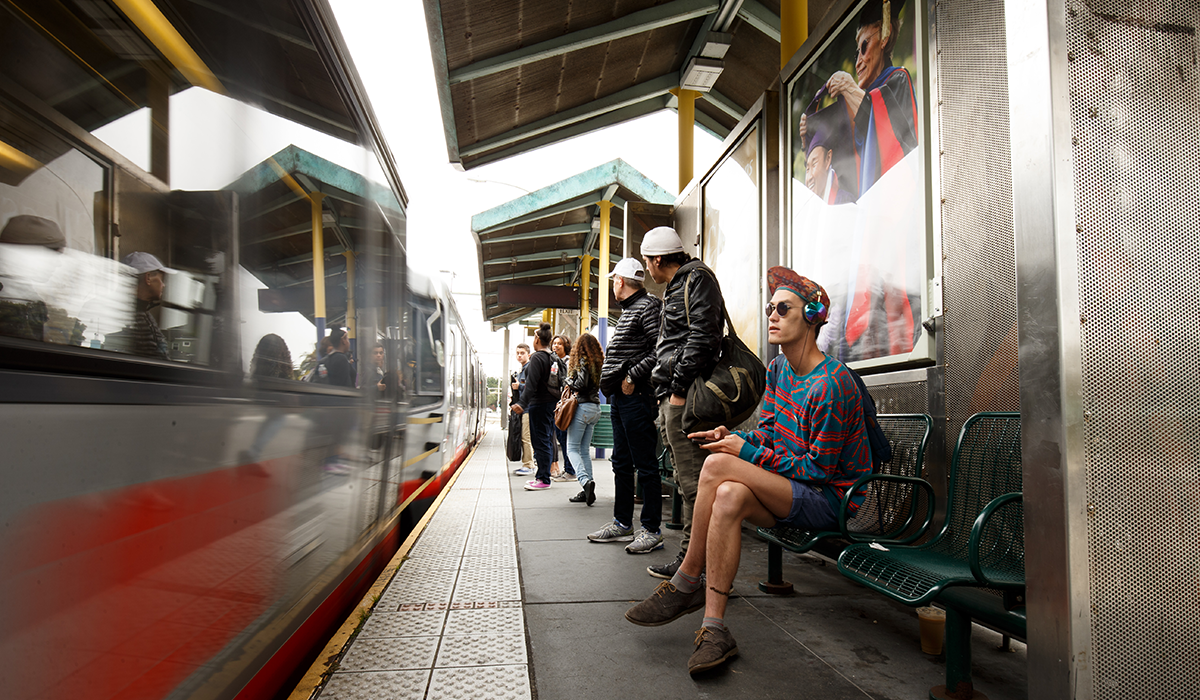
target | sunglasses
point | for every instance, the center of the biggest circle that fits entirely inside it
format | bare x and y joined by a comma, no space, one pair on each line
782,307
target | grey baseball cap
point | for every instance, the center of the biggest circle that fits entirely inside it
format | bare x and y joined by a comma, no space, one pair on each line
145,262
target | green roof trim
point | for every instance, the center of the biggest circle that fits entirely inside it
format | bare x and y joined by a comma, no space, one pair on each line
297,161
614,172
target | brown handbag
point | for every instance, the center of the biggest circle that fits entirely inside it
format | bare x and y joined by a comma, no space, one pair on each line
564,412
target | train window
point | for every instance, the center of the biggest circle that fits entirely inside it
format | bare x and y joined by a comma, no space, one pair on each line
430,356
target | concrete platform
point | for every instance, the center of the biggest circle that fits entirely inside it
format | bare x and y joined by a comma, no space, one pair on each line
503,597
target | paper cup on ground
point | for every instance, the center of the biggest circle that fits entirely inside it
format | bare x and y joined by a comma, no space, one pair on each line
933,629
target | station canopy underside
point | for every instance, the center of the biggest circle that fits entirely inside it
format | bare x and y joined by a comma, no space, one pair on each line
542,237
515,75
276,224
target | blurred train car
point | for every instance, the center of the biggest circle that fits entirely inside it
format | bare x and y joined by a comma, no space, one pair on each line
183,515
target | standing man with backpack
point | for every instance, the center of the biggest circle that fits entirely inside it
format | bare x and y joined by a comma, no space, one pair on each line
794,469
689,343
538,398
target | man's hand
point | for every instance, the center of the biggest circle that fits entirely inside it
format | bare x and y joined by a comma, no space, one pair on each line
713,435
677,400
516,408
723,441
626,386
515,386
841,84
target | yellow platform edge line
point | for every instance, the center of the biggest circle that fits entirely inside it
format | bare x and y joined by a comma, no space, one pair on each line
314,679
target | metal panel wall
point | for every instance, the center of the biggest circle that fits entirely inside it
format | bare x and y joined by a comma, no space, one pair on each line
979,338
1135,112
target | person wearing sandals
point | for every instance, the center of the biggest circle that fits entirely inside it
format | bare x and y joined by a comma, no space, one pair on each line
583,377
561,347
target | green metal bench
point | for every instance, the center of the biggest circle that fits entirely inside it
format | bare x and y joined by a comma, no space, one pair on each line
980,546
895,497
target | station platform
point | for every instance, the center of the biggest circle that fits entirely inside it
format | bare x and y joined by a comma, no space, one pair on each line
501,595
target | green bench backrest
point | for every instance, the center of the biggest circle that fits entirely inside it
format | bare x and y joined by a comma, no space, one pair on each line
986,465
886,505
602,434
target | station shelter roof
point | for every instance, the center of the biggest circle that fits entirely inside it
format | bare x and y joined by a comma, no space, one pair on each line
241,46
541,238
514,75
275,221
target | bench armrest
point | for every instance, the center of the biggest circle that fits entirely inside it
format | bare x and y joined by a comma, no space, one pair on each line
844,516
975,544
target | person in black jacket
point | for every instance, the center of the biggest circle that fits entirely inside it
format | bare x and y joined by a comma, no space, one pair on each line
689,342
625,379
538,401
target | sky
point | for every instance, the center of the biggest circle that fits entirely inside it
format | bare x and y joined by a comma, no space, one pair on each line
389,44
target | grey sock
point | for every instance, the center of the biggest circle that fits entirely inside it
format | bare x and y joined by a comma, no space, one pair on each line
685,583
715,622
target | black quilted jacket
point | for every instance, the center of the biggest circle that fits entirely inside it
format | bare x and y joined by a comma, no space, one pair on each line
631,348
688,351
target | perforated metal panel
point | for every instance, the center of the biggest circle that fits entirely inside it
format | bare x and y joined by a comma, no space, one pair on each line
1135,108
907,397
979,263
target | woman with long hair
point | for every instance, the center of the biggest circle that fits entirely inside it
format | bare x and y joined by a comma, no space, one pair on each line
538,401
561,347
583,377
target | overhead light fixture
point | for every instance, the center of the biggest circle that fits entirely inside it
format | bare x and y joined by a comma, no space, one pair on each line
701,74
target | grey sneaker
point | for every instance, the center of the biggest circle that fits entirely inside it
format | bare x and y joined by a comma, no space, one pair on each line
713,648
666,605
665,570
645,542
612,532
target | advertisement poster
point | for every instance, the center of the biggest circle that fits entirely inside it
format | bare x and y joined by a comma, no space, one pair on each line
858,196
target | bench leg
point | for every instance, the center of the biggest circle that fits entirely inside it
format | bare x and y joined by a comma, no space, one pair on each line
958,660
676,521
775,585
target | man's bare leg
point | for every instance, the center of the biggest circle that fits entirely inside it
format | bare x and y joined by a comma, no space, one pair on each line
731,490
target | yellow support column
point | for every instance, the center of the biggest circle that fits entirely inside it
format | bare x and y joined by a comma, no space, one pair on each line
687,133
318,263
585,307
793,28
602,287
351,311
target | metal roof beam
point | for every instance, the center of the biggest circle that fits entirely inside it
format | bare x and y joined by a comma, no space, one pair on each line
651,104
762,19
624,98
577,203
629,25
568,230
536,257
277,28
724,104
711,125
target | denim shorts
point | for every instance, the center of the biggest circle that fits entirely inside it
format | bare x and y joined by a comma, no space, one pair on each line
810,509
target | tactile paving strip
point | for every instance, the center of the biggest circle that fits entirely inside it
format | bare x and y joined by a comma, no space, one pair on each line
450,624
481,683
377,684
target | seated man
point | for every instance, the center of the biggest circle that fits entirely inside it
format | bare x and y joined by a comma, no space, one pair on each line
809,448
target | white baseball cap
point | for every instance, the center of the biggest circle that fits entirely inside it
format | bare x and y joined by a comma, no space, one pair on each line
629,268
661,241
145,262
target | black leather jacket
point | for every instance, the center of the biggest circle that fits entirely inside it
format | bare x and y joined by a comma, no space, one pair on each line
631,349
581,383
688,351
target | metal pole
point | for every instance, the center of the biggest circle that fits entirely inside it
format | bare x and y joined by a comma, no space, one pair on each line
601,287
318,265
351,311
687,133
585,307
793,28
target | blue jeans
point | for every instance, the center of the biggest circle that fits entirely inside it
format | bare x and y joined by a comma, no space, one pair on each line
633,448
541,434
561,436
579,438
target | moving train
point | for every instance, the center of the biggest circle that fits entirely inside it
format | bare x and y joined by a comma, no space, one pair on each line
189,194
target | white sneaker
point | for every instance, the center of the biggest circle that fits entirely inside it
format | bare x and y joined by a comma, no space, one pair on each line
645,542
522,471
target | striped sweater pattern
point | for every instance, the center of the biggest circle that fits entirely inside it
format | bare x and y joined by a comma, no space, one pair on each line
811,429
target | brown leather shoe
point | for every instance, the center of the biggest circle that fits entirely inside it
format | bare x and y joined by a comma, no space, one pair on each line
713,648
666,605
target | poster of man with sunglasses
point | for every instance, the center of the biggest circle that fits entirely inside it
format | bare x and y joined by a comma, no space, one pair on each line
858,209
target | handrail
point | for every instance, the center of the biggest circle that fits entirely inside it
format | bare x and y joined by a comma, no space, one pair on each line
973,544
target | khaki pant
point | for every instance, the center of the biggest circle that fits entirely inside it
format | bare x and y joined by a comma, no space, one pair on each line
526,443
686,457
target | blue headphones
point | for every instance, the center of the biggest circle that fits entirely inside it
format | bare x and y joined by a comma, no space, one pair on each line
815,312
